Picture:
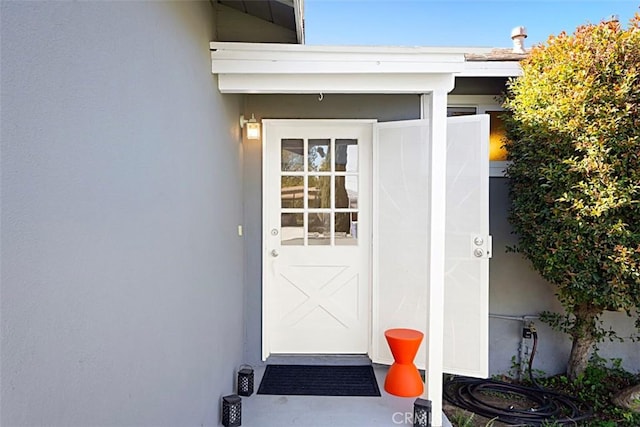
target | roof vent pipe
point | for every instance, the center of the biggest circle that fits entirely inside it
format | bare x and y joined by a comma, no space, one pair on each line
518,34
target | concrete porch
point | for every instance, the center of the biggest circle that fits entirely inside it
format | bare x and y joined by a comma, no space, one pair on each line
323,411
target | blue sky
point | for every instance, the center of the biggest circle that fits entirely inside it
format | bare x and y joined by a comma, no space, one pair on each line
450,23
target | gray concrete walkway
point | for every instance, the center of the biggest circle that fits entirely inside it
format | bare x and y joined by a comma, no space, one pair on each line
327,411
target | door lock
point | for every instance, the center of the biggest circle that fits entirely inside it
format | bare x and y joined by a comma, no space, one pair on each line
480,246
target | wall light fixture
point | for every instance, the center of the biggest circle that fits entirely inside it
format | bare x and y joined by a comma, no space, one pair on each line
253,127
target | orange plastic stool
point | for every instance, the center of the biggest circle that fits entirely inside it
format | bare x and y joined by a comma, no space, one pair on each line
403,378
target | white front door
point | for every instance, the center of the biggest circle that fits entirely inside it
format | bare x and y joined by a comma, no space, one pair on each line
317,231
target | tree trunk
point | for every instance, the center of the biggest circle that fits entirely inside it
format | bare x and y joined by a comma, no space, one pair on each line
583,340
579,357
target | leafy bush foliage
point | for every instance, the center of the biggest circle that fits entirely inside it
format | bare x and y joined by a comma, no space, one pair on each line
595,387
574,142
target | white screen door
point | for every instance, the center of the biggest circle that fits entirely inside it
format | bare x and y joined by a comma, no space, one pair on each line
400,247
317,227
467,247
401,231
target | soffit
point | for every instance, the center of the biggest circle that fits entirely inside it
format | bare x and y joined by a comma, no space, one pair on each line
288,14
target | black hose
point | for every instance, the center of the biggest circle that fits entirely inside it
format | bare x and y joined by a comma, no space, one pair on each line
544,405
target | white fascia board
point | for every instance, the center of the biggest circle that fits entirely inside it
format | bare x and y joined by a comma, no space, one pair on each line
334,83
345,66
294,68
491,69
283,47
260,58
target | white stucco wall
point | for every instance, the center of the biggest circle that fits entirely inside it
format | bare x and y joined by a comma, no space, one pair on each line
121,195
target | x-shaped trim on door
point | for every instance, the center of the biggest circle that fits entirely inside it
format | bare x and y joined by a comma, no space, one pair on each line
322,297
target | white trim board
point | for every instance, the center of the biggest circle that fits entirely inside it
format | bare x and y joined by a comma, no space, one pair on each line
271,68
289,59
334,83
491,69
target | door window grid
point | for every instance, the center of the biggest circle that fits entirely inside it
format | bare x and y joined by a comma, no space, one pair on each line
321,220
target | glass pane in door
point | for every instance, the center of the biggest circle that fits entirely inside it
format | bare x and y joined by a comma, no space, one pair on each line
346,155
292,229
292,192
319,192
319,155
346,229
319,232
346,192
292,157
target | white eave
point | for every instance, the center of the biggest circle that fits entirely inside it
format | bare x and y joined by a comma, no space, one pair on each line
289,68
280,68
491,69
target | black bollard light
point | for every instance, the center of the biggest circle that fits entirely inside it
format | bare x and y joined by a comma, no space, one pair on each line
245,380
231,411
422,413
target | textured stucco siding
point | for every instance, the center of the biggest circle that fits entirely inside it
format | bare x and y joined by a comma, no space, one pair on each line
121,194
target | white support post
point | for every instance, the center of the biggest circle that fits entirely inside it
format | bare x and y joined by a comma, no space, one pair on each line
434,108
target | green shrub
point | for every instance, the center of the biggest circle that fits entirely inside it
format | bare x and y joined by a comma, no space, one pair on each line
574,143
595,388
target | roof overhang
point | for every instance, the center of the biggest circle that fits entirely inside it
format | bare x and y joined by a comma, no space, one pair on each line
287,14
288,68
278,68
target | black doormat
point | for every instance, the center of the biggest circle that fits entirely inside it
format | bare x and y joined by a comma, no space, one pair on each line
319,380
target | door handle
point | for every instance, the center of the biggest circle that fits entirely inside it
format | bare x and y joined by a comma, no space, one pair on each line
274,253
